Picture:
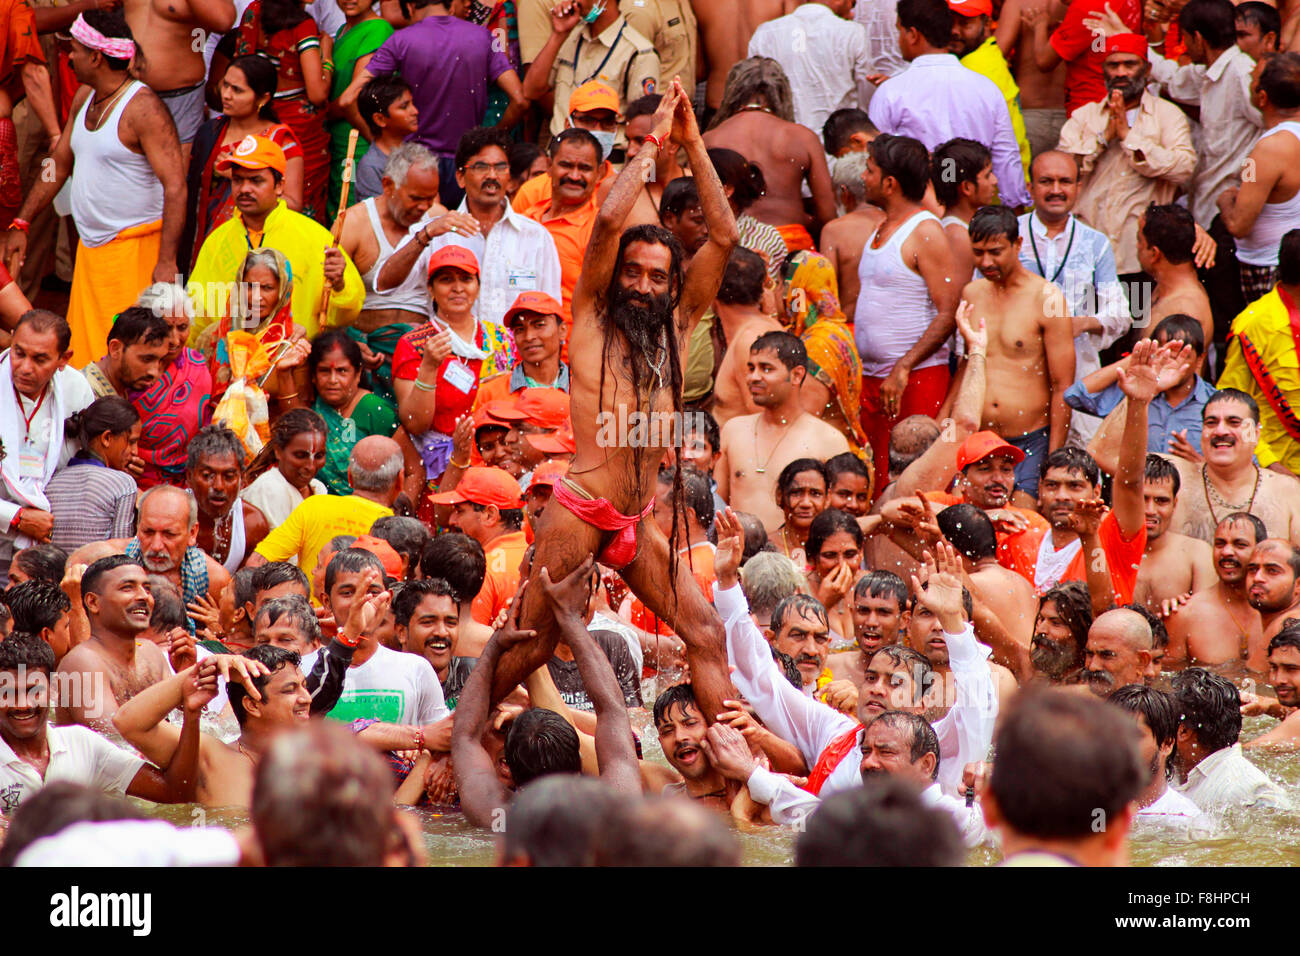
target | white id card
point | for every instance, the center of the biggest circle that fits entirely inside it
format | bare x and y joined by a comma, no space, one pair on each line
459,376
522,279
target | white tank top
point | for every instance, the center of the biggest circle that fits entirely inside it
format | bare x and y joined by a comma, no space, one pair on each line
236,556
894,305
112,188
1259,247
412,295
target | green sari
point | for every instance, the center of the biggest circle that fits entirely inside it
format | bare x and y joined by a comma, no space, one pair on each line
372,416
384,341
350,45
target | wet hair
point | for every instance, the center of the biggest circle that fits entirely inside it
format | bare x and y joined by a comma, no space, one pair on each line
680,195
1288,259
679,695
970,530
1063,758
245,590
1159,633
555,821
642,106
1262,16
275,573
846,463
459,560
755,536
260,73
802,604
1280,80
522,157
663,831
413,593
56,806
1159,468
1232,395
297,611
329,341
955,162
752,79
789,349
90,579
922,739
408,536
1210,706
168,606
745,178
1245,517
294,422
767,579
1074,606
112,414
213,441
351,561
840,126
847,171
882,823
1213,20
579,137
139,326
905,159
879,584
697,496
831,521
992,221
474,141
541,742
112,24
43,562
274,658
909,439
1171,230
380,93
35,605
930,18
911,660
22,649
1289,636
1074,461
1157,706
1181,327
44,322
785,480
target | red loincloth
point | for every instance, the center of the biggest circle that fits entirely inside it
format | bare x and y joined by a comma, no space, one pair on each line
600,514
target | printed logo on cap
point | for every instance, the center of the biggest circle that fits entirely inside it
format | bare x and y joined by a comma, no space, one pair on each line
246,147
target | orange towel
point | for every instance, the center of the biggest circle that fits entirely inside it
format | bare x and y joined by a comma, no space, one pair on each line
797,238
105,280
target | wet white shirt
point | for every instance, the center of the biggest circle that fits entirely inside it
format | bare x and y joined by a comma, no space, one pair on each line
1227,779
77,755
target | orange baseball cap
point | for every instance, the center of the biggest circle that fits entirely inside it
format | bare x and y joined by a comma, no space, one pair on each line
983,444
498,414
457,257
538,302
549,473
384,551
971,8
593,95
255,152
483,486
544,407
559,442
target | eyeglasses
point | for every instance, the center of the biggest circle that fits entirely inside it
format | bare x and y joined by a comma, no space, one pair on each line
478,169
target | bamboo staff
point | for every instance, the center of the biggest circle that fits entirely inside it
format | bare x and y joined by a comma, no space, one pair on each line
337,231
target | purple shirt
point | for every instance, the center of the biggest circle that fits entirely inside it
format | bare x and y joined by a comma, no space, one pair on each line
449,65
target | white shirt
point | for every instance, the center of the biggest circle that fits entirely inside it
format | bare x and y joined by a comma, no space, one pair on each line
1227,779
937,99
272,495
133,843
77,755
518,255
825,58
964,733
1229,125
880,19
1173,810
392,687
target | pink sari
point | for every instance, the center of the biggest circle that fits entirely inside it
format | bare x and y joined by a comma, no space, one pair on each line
170,414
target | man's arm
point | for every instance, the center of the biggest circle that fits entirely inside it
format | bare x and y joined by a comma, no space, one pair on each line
45,188
1006,150
1140,384
1240,207
1170,158
36,83
1058,343
509,84
161,146
214,16
538,84
178,780
819,182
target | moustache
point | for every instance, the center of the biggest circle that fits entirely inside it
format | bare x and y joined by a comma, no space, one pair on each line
1102,680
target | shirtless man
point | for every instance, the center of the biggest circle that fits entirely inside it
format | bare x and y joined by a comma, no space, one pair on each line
114,664
1215,624
1228,479
214,472
1165,237
743,321
757,121
1273,589
1031,345
755,448
1008,595
725,29
842,239
1173,564
961,171
1042,93
1284,678
633,313
880,607
171,63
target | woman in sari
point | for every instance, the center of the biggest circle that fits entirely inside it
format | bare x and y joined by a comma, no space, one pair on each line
346,55
281,31
247,89
351,412
833,388
437,368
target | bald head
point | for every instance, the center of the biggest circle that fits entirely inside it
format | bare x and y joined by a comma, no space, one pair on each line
169,503
1053,161
167,524
376,466
1120,646
1054,184
1128,626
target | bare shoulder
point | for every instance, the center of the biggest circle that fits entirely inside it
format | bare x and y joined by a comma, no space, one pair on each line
82,658
975,291
218,577
739,425
147,107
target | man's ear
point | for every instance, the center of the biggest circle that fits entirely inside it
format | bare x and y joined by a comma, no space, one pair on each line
64,359
858,142
194,534
90,602
798,374
116,348
926,765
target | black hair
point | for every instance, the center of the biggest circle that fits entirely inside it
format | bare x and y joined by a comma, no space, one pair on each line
955,162
294,422
413,593
1171,230
680,195
408,536
44,321
112,24
299,612
1073,605
26,650
556,821
659,831
830,522
212,441
1288,259
922,739
275,573
682,695
789,349
473,141
1289,636
280,15
642,106
1262,16
846,463
697,494
879,584
1232,395
797,603
1210,706
970,530
351,561
744,277
274,658
245,588
43,562
139,326
378,95
326,342
97,569
882,823
112,414
168,606
1246,517
55,807
1157,706
930,18
1213,20
35,605
579,137
1159,468
840,127
522,157
991,221
459,560
260,73
1181,327
541,742
905,159
911,660
1280,79
1073,460
785,480
745,179
704,424
512,519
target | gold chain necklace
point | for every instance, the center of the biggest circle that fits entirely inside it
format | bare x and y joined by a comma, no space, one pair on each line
1205,483
103,106
762,469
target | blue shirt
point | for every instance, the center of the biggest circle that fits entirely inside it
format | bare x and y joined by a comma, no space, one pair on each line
1163,419
519,381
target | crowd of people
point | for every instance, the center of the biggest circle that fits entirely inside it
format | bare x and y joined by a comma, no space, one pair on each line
890,405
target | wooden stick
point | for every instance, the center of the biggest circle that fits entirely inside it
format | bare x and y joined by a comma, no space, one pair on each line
337,230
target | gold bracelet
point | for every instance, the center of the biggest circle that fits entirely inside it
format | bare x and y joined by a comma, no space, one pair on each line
285,398
462,465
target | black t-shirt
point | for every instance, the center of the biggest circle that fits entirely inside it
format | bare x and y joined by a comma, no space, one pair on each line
569,682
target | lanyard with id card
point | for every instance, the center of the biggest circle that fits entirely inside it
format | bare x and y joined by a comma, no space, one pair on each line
459,376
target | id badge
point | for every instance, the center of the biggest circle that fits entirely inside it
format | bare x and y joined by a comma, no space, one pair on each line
459,376
522,279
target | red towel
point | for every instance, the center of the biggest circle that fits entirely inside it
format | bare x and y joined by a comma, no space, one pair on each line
599,513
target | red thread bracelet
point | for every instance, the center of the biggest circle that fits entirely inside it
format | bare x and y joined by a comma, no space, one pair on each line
652,138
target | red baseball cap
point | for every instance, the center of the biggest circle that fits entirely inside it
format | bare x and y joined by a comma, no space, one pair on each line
538,302
453,256
544,407
559,442
971,8
384,551
483,485
983,444
1127,43
549,473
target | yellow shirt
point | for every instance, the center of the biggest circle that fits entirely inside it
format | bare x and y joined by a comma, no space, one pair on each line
1262,361
987,60
312,524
